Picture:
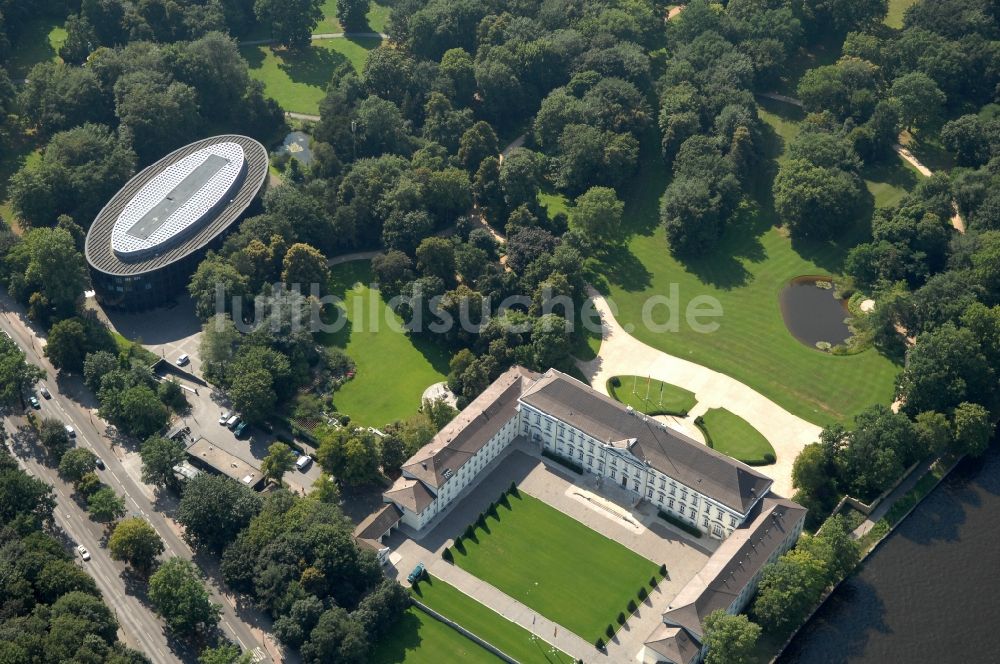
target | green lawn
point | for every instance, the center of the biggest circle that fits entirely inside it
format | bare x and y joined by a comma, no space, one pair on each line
297,81
894,19
419,639
555,565
733,436
39,41
653,397
393,369
745,274
378,15
486,623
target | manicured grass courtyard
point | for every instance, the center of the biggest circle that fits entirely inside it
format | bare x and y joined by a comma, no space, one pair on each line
298,80
393,368
486,623
733,436
650,396
419,639
555,565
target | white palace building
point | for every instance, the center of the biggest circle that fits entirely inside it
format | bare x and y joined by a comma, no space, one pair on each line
724,498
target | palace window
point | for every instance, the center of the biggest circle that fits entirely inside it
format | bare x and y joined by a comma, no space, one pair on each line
649,492
692,513
673,490
663,483
635,486
660,497
684,494
706,521
670,503
718,511
732,521
579,454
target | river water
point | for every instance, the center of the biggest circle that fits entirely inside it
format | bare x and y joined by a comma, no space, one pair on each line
930,592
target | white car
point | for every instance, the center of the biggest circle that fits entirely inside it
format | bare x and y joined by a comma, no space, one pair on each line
83,552
183,359
303,462
70,431
224,417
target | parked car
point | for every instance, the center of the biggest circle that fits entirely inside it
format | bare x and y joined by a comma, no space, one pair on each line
232,422
224,417
83,552
416,574
99,463
240,428
303,462
70,431
45,392
183,359
34,402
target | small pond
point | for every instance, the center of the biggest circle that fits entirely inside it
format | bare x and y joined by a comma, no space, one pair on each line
813,313
296,144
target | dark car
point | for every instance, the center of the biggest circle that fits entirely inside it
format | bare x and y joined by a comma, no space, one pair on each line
240,428
45,392
416,574
99,463
34,403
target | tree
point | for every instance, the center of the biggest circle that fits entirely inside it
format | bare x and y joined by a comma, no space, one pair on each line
16,375
597,214
919,98
973,429
279,460
306,266
105,506
135,542
478,142
325,490
159,456
841,551
291,21
48,273
436,257
350,456
381,608
76,463
158,116
57,96
252,394
337,636
67,344
214,285
96,365
141,413
788,589
179,595
945,368
219,340
214,509
53,436
393,453
353,14
969,139
170,393
814,201
691,215
876,452
227,653
730,639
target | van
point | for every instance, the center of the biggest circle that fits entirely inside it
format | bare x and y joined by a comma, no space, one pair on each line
183,359
233,421
303,462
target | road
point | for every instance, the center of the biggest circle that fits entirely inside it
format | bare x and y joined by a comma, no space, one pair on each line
244,625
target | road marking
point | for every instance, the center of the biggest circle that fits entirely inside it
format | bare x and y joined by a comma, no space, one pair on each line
257,655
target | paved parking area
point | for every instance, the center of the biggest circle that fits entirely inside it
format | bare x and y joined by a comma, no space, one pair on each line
169,331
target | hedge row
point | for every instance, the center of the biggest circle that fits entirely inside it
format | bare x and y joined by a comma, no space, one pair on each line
569,463
683,525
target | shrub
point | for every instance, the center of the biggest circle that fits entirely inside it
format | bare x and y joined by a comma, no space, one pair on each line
610,631
683,525
481,521
621,618
599,644
652,582
769,458
469,532
616,381
446,554
631,606
642,594
663,570
568,463
513,489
